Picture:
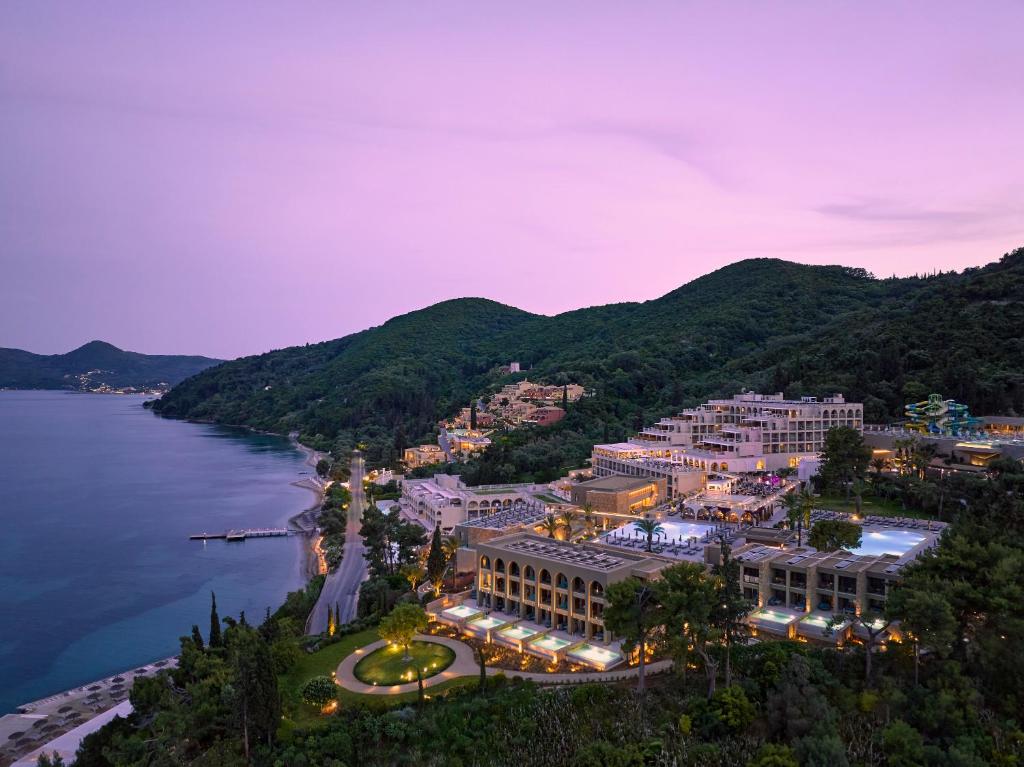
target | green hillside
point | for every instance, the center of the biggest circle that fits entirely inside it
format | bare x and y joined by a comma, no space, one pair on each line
763,323
94,365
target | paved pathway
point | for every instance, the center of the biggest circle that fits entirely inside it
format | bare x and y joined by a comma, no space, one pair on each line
465,664
342,586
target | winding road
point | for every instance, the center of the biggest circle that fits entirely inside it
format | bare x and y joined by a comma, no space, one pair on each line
342,586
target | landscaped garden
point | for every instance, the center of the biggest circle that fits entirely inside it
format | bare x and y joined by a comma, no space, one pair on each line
390,664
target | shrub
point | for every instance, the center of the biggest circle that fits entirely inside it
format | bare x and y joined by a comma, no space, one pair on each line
319,691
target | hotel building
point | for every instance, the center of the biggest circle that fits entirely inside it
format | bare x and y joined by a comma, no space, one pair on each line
620,495
446,500
553,583
750,432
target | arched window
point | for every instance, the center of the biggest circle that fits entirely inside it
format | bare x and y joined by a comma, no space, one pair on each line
596,589
563,582
513,568
545,577
499,565
485,563
579,585
530,574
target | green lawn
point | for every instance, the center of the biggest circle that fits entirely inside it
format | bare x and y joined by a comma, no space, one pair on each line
322,663
297,714
881,507
387,665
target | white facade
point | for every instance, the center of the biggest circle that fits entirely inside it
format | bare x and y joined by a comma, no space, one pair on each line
447,501
750,432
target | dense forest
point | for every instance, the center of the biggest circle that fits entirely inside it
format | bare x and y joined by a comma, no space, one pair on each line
761,324
93,365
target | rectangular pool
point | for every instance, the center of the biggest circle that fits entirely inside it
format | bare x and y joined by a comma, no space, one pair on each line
774,616
599,657
820,622
459,612
550,644
517,633
896,542
485,624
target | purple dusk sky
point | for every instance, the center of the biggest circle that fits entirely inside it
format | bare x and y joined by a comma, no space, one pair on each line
226,178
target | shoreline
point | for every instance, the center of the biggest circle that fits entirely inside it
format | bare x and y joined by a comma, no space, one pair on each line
305,521
89,700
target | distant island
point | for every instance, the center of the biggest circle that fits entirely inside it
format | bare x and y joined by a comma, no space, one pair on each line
98,367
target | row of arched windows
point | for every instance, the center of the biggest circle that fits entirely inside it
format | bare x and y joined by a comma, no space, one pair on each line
561,581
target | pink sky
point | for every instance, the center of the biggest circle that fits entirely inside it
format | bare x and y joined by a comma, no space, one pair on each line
227,178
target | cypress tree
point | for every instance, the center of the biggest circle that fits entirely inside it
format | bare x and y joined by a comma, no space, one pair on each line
565,397
215,636
436,563
197,637
472,414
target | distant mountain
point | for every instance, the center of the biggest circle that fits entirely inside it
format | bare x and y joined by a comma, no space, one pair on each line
96,366
762,324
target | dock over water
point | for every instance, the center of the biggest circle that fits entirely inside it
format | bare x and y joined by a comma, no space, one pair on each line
241,535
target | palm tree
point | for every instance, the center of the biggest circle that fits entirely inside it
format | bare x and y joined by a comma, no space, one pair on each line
566,518
798,511
589,520
650,528
858,487
877,466
550,525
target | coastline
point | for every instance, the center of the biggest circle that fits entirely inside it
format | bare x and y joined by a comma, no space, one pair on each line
39,722
305,521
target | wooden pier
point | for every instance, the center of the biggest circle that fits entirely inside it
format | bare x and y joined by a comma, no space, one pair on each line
241,535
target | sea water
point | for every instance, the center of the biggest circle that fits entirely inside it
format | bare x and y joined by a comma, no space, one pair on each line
97,499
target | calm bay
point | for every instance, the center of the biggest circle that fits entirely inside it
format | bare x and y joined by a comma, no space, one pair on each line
97,499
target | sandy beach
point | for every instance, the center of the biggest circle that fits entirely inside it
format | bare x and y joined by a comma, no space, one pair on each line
41,721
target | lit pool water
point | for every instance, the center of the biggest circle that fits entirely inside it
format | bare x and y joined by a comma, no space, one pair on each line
460,612
595,656
550,644
517,633
773,616
896,542
486,624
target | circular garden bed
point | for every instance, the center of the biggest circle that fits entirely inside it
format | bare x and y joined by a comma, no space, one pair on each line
388,665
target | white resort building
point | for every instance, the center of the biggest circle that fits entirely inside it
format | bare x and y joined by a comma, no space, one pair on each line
750,432
447,501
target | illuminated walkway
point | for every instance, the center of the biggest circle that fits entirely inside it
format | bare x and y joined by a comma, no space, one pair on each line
465,664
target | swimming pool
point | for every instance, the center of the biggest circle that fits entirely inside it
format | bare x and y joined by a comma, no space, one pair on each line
517,633
675,532
592,655
774,616
896,542
459,612
550,644
485,624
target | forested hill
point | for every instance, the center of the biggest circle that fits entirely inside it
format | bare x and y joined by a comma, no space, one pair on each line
95,365
763,324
